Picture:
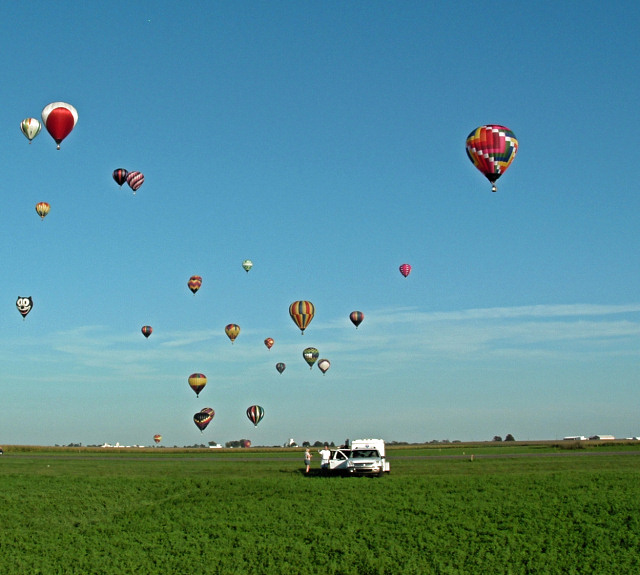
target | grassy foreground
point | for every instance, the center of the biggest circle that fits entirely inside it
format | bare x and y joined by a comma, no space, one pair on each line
255,512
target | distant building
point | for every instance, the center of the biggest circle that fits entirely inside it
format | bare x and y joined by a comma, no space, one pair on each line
602,437
574,438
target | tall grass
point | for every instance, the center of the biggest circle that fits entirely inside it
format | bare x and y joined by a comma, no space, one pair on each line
172,514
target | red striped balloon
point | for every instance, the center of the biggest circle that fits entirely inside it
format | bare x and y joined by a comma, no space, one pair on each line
135,180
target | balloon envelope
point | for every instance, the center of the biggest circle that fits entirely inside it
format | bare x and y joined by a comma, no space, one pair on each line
42,209
157,438
232,330
405,269
302,313
255,413
147,330
197,381
24,305
269,342
135,180
356,318
120,176
492,148
202,419
310,355
324,365
30,127
194,283
59,118
280,367
247,265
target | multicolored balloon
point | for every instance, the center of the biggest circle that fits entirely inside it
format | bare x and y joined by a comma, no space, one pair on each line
405,269
24,305
302,313
194,283
197,381
247,265
147,330
157,438
255,413
492,148
269,342
356,318
310,355
135,180
202,419
232,330
324,365
42,209
120,176
30,127
59,118
280,367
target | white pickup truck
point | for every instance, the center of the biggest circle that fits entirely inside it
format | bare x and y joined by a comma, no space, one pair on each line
360,457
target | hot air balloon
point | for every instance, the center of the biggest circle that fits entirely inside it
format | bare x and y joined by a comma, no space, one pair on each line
147,330
135,180
405,269
255,413
356,318
194,283
30,127
247,265
269,342
197,381
24,305
492,148
120,176
324,365
59,118
157,438
232,330
310,355
42,208
202,419
208,410
302,313
280,367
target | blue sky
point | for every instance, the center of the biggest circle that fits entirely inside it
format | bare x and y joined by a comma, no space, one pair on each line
325,141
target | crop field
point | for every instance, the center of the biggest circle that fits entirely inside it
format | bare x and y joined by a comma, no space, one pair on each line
516,510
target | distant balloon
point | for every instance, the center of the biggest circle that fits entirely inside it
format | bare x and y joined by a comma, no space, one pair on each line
157,438
30,127
247,265
405,269
194,283
197,381
135,180
246,443
492,148
255,413
42,208
232,330
310,355
302,313
356,318
269,342
202,419
59,118
324,365
24,305
280,367
147,330
120,176
208,410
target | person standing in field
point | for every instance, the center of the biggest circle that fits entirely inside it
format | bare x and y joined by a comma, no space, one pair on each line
325,454
307,460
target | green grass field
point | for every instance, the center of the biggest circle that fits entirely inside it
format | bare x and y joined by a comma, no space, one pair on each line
520,509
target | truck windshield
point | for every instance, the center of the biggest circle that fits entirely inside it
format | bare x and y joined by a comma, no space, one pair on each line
362,453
